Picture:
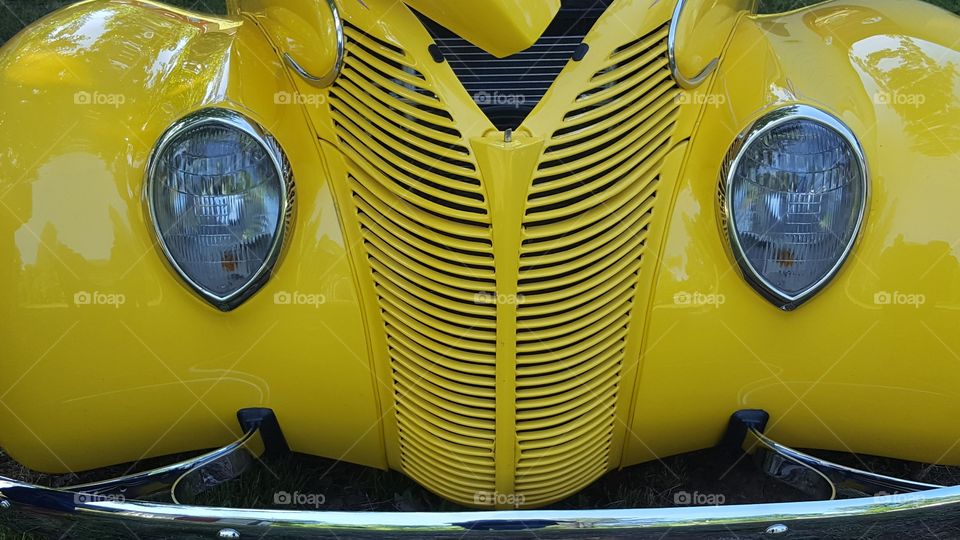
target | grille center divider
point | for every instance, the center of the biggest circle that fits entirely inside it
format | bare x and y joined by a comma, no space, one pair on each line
507,168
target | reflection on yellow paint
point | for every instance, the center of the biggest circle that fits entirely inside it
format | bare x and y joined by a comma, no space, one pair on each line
878,349
74,197
124,348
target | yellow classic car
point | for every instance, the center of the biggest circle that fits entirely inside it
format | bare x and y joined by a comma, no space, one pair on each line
501,246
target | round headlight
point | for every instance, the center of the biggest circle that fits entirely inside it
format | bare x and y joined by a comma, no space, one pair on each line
794,191
220,195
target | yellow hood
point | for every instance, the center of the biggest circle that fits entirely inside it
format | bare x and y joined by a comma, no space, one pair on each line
500,27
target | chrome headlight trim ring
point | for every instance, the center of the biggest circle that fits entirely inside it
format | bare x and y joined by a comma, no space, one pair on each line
240,122
741,144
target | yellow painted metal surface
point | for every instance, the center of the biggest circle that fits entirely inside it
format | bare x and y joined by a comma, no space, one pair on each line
106,356
303,29
506,273
509,165
870,365
502,320
703,29
501,27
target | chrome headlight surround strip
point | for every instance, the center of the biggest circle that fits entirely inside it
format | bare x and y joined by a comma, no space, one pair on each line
235,120
728,171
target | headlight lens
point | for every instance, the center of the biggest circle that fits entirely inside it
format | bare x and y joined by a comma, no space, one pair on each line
220,194
795,190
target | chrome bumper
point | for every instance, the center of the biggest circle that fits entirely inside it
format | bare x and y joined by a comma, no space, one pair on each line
34,508
103,510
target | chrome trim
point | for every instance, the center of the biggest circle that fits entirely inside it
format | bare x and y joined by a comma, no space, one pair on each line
240,122
328,79
184,479
65,512
821,478
728,171
59,511
685,83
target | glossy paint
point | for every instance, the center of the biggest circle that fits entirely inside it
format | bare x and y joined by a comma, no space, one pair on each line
501,27
869,365
306,30
108,358
505,169
702,27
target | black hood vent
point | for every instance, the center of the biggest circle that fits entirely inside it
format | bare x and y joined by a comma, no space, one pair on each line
507,89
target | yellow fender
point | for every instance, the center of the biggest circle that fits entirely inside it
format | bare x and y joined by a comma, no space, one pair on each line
871,364
106,358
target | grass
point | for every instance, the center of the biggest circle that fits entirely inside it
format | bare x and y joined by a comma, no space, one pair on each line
15,14
776,6
350,487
